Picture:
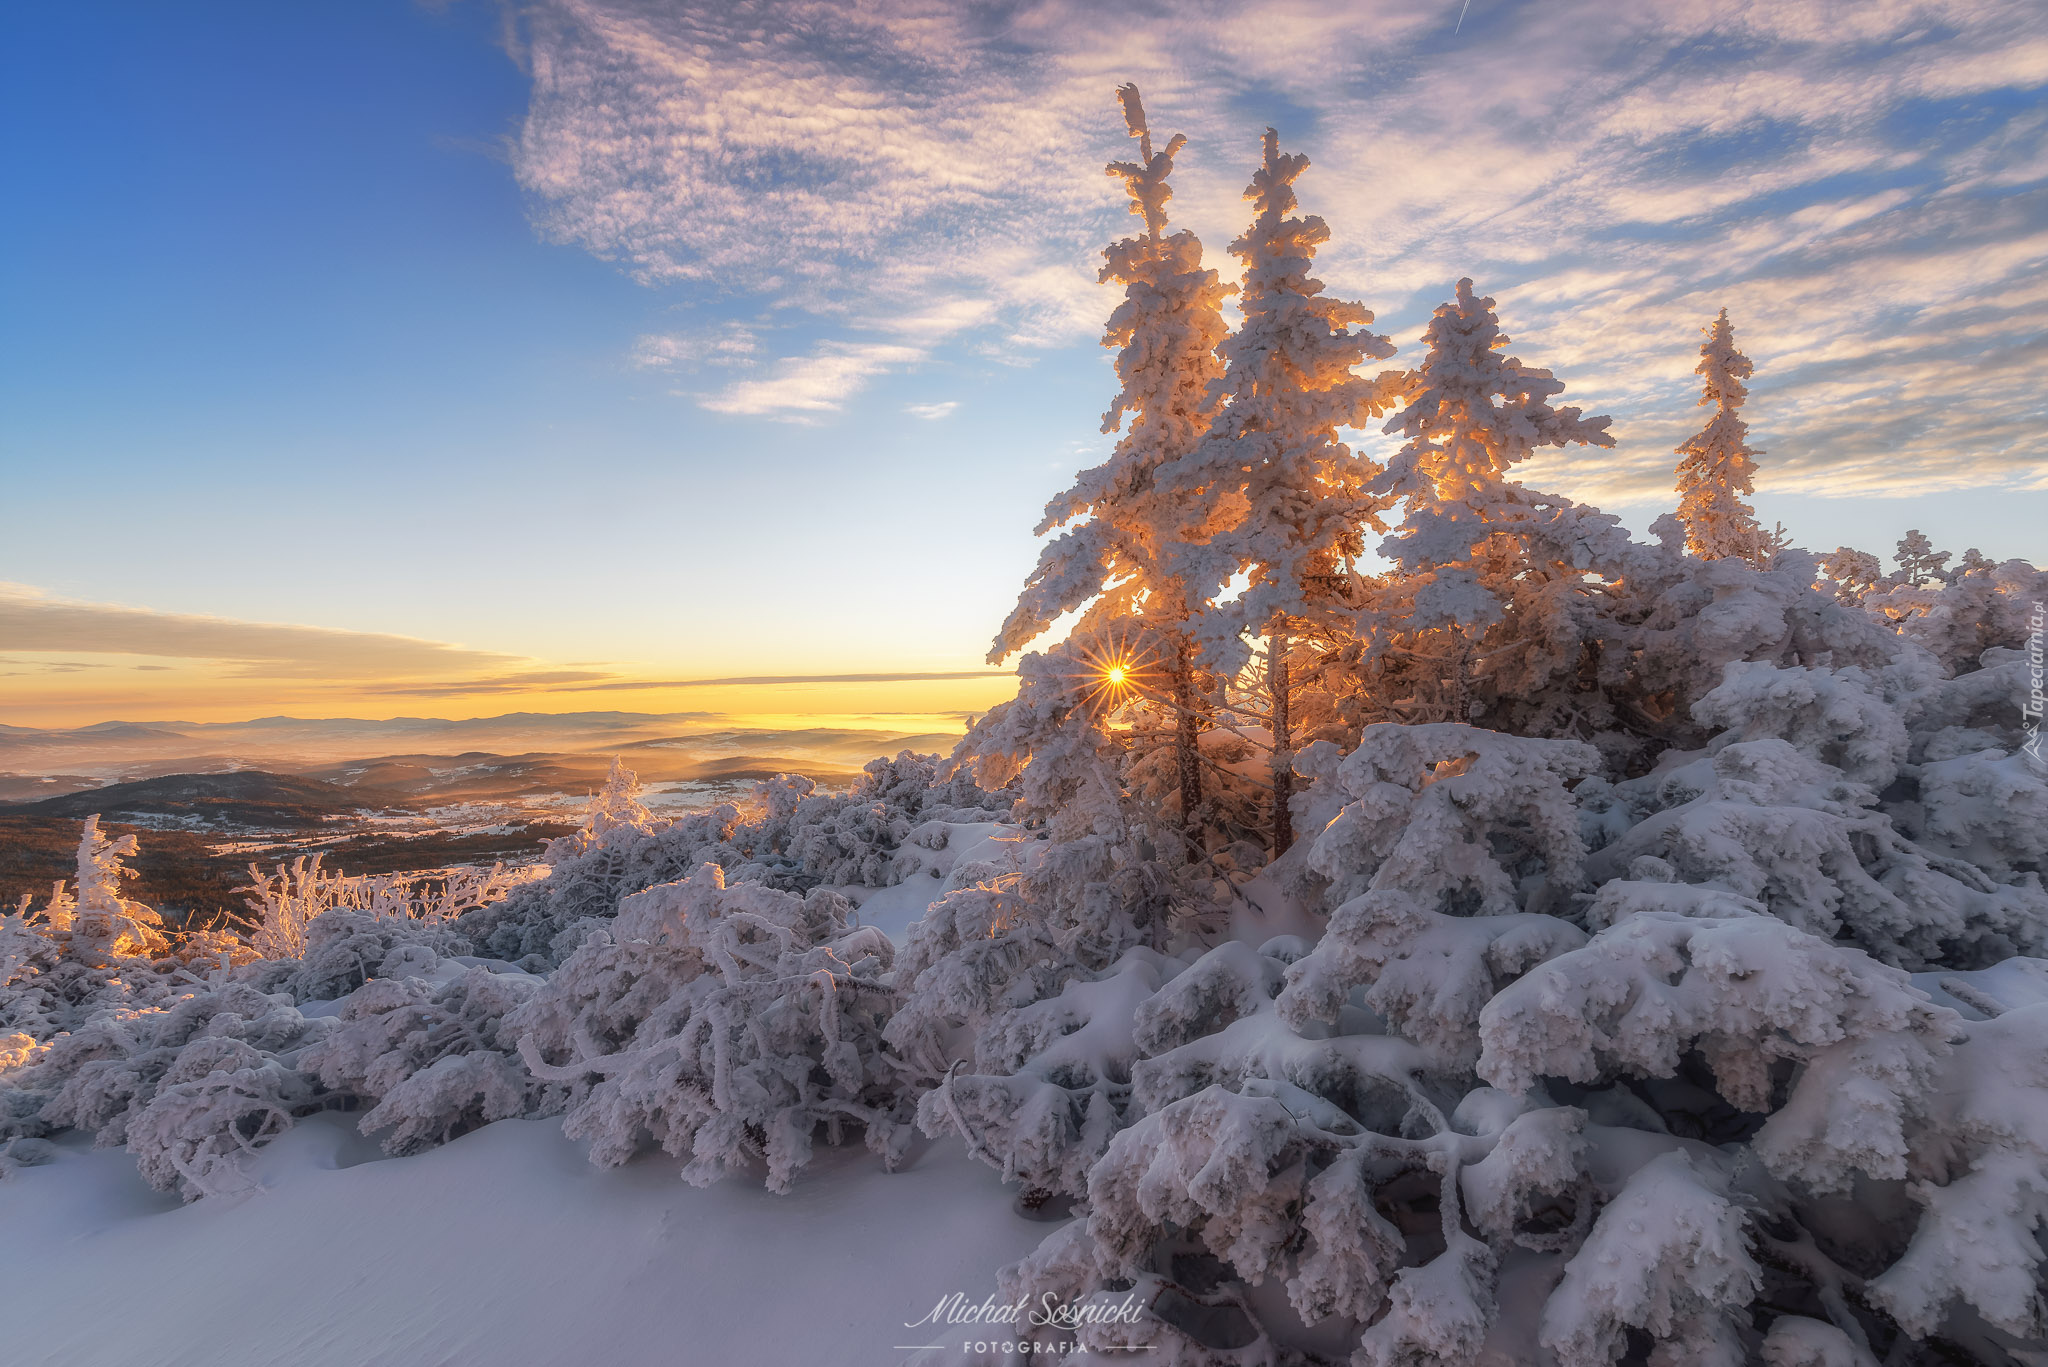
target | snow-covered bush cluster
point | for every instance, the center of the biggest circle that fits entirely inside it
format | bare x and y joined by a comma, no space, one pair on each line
1549,948
628,987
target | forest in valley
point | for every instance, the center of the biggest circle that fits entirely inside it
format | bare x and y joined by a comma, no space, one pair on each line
1401,918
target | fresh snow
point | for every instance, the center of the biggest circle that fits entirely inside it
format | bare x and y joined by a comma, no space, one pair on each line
504,1247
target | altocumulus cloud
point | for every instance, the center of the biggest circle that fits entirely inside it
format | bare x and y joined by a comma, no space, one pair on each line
1865,187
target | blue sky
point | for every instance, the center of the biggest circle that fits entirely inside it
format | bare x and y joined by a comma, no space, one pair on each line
648,344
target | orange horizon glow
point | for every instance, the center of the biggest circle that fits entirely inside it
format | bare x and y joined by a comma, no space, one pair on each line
202,695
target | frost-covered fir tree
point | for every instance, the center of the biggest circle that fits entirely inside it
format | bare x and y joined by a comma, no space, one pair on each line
1716,465
1919,562
1113,556
103,922
1495,596
1271,493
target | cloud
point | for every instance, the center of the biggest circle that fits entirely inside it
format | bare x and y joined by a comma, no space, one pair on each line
803,387
51,666
524,681
1864,187
931,412
567,681
733,345
33,621
621,685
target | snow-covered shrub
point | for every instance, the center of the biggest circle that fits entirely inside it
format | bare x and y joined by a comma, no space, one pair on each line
345,949
1980,1168
434,1058
186,1087
727,1023
1051,1079
1744,992
926,788
1762,812
1972,610
620,850
1682,622
802,838
285,903
835,839
219,1100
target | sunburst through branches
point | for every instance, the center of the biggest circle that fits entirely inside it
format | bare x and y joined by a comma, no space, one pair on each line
1118,667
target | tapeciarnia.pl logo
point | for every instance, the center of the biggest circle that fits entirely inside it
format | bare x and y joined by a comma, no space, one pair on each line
2031,709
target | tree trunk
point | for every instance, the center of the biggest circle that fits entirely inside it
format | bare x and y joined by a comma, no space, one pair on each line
1187,736
1283,744
1461,682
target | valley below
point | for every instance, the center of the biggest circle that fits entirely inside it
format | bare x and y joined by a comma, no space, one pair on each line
407,796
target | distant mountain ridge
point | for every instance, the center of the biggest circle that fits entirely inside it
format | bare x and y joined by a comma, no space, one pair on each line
244,797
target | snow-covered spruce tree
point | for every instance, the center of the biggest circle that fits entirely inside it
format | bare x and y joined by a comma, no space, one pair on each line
730,1024
1109,870
1919,563
103,923
1113,556
1500,594
616,806
1716,465
1270,492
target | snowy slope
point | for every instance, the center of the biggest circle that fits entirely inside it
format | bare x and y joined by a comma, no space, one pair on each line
504,1247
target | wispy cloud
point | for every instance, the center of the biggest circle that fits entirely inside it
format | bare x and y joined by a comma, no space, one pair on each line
801,388
1864,187
566,682
746,680
931,412
34,622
